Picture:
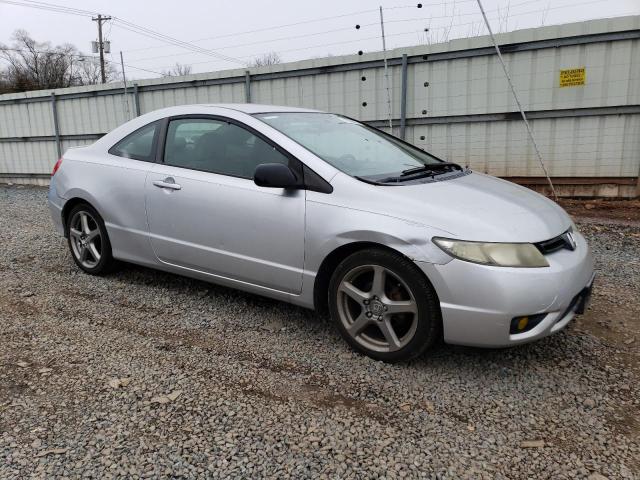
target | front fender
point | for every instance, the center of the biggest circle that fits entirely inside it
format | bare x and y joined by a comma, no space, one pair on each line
329,227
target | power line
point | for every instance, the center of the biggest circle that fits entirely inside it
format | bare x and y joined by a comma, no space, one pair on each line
376,37
78,55
123,24
119,22
395,34
49,7
424,19
305,22
294,37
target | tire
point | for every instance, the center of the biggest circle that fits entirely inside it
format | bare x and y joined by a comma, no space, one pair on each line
384,306
88,241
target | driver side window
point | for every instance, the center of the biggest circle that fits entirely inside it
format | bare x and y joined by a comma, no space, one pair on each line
218,147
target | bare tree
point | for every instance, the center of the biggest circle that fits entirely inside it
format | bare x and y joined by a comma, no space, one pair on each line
33,65
271,58
5,86
86,71
178,70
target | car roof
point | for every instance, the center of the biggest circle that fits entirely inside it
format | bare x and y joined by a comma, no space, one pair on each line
257,108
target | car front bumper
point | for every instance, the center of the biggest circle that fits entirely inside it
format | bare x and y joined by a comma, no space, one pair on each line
478,302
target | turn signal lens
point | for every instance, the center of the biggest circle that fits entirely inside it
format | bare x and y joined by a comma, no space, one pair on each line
56,166
495,254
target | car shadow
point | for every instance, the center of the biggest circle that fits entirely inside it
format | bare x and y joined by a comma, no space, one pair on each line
563,347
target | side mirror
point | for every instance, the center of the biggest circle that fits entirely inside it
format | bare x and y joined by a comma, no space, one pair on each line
275,175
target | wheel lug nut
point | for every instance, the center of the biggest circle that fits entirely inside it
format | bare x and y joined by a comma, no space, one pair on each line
369,314
366,302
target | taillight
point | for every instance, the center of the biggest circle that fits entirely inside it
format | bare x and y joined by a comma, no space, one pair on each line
56,166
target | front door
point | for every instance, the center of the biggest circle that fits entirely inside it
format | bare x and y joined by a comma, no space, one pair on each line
205,213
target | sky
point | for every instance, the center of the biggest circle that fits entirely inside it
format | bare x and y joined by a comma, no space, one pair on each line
229,34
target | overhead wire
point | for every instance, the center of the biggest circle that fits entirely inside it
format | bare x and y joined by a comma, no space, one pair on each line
305,22
80,55
376,37
49,7
122,23
220,58
515,5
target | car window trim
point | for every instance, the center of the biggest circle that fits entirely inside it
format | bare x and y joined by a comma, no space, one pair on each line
294,163
154,144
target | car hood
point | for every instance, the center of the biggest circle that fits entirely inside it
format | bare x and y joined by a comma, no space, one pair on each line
472,207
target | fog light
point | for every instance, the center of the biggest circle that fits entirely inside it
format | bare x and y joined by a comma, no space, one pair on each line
522,323
525,323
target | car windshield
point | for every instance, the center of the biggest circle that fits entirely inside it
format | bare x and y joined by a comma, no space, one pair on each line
350,146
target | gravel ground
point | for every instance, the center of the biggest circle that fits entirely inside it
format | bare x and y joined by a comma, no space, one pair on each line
145,374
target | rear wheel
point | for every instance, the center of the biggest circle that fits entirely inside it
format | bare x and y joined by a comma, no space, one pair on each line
88,240
383,305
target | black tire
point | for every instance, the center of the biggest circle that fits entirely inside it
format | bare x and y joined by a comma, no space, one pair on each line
106,262
406,278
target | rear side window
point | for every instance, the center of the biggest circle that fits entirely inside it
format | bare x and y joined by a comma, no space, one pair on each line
217,146
139,145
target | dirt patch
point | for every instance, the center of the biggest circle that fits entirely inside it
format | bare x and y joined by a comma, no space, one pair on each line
607,211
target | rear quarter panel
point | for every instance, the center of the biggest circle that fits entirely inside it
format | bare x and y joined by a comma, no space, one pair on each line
114,186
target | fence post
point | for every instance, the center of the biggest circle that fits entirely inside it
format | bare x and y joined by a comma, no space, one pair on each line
247,86
403,97
136,99
56,126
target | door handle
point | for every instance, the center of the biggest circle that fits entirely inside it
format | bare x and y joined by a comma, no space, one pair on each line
167,183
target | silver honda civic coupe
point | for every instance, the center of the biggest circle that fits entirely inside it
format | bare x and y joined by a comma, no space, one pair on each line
399,247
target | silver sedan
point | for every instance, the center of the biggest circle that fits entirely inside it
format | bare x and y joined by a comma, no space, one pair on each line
316,209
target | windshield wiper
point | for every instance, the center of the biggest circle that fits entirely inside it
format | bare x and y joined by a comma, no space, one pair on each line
430,169
427,167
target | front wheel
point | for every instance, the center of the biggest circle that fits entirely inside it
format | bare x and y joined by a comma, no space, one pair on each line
384,306
88,240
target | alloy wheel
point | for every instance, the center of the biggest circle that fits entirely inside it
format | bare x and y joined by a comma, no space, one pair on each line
86,239
377,308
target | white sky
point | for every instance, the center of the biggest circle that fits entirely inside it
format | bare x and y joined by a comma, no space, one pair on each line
223,25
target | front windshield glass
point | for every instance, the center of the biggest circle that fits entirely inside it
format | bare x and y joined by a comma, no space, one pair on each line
350,146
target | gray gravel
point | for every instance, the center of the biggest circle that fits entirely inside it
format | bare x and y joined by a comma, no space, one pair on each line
145,374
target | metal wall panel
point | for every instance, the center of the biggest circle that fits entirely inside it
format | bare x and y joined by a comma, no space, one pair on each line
91,115
27,157
603,146
449,87
31,119
32,157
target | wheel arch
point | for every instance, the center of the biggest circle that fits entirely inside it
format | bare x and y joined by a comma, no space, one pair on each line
333,259
69,205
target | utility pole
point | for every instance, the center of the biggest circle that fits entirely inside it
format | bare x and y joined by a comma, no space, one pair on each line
386,71
100,19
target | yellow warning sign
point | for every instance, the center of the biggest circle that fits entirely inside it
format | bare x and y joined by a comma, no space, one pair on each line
573,77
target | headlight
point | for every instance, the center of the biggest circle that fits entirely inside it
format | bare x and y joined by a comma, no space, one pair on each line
496,254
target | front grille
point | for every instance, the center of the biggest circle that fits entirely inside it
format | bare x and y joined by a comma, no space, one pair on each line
560,242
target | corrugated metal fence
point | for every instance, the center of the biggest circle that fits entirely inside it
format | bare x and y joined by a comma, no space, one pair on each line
451,99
